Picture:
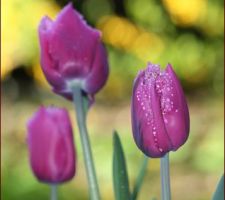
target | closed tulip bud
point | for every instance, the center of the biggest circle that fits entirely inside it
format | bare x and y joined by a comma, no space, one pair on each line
72,53
160,117
51,145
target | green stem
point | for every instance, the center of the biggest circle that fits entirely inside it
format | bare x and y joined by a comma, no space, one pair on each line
86,147
165,177
140,178
53,192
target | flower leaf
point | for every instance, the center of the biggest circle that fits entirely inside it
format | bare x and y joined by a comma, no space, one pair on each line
219,193
140,178
120,177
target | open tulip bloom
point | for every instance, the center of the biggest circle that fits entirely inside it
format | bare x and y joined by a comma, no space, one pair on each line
72,54
75,63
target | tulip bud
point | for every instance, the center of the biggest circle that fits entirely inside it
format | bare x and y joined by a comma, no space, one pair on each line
71,52
51,145
160,117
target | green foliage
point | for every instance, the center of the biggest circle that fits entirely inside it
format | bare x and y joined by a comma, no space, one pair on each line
120,177
140,178
219,193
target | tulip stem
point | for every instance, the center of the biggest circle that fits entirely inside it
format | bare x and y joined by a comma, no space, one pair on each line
78,100
165,178
53,192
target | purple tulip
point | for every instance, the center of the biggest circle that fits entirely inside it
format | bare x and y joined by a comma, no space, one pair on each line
160,117
51,145
72,52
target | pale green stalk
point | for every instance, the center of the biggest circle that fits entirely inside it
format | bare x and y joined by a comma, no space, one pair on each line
78,100
53,192
165,178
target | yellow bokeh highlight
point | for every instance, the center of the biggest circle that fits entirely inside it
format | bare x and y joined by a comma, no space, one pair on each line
147,45
117,31
20,21
121,33
185,12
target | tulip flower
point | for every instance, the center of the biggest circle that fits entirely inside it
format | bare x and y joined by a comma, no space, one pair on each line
160,116
51,146
72,53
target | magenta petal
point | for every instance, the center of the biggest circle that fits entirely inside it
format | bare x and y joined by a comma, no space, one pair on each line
161,138
49,67
160,118
135,110
51,147
99,72
178,118
73,43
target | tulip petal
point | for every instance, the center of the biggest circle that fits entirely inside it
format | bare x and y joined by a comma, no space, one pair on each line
48,66
134,112
178,117
99,72
73,43
64,126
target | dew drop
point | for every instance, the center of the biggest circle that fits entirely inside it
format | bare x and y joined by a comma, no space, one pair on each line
160,149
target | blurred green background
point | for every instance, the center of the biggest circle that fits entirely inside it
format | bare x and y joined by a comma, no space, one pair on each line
189,34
